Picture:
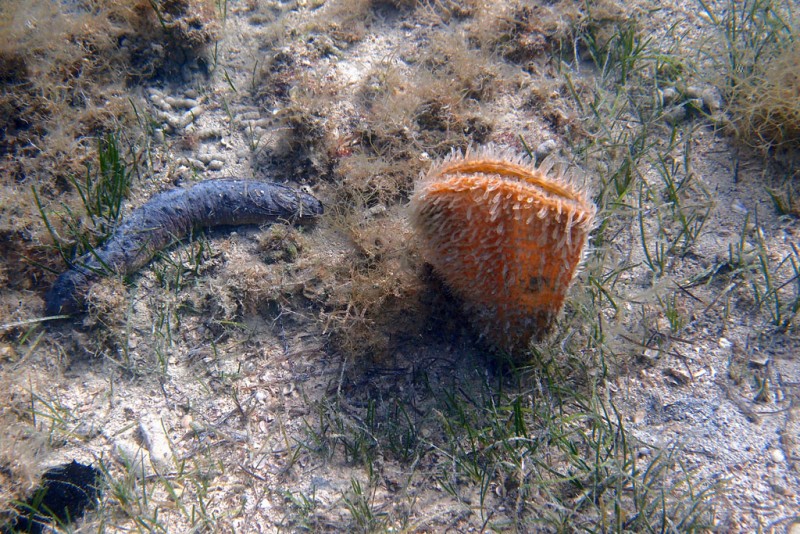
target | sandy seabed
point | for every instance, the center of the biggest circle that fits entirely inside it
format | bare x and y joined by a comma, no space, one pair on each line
258,379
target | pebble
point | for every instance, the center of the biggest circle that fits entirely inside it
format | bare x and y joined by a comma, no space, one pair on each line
693,91
186,422
545,148
132,456
712,99
7,352
216,165
674,114
777,456
678,375
155,439
669,95
191,162
86,431
724,343
651,354
738,207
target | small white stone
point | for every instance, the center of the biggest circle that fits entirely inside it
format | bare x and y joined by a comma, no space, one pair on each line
674,114
186,422
545,149
680,376
651,354
724,343
216,165
693,91
777,456
155,439
669,95
133,457
712,99
738,207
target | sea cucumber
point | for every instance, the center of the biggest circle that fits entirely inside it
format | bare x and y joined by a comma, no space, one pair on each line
168,217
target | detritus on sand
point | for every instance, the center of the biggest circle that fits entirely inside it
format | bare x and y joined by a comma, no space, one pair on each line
169,216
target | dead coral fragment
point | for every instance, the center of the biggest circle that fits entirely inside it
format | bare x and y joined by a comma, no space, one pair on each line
505,235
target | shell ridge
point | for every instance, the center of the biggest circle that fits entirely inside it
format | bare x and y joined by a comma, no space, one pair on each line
506,234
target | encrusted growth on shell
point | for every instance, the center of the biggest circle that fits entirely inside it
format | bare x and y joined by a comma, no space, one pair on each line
506,235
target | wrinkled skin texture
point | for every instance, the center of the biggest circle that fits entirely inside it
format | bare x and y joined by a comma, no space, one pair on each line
168,217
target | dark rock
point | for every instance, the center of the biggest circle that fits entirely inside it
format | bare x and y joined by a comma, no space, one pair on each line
66,491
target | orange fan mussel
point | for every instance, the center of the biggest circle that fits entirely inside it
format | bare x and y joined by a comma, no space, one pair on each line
507,236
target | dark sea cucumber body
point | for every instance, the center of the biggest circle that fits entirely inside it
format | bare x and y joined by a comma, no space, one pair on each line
168,217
